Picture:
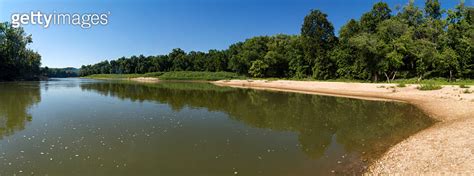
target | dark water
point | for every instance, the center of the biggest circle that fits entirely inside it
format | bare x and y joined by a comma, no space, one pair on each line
86,127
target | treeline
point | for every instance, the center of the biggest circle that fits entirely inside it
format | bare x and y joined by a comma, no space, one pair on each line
17,62
60,72
410,42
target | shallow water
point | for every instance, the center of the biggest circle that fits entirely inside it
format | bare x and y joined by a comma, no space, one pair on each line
87,127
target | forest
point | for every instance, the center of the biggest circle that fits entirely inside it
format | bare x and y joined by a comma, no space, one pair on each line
60,72
17,62
382,45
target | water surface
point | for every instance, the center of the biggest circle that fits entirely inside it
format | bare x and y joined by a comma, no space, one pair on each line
88,127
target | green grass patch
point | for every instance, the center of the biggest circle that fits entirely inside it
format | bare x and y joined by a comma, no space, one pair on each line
429,86
177,75
438,81
202,76
153,74
401,85
464,86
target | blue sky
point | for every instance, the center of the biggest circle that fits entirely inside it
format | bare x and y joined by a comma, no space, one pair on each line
156,27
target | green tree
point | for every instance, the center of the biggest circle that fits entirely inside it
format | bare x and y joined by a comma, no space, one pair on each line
318,38
179,60
17,62
258,69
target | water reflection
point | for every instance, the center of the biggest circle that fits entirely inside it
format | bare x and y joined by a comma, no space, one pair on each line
365,129
15,102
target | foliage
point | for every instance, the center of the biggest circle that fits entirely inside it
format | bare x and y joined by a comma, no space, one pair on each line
205,76
17,62
60,72
318,39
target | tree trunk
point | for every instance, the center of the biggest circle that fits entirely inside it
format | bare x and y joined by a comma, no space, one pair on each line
394,74
388,77
450,75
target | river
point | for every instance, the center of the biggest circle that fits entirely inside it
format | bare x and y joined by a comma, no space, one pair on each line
90,127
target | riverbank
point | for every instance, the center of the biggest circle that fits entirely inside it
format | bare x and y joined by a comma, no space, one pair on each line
446,147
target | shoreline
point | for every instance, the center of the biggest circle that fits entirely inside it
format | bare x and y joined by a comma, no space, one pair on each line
447,146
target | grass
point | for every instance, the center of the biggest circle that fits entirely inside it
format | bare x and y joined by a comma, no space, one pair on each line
430,86
464,86
153,74
177,75
204,76
401,85
438,81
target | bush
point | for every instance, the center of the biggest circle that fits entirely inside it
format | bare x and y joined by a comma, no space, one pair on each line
464,86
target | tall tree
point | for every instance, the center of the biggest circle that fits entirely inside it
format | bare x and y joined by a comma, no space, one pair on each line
179,60
318,38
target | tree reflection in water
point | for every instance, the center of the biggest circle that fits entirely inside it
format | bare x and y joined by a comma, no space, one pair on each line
367,128
16,100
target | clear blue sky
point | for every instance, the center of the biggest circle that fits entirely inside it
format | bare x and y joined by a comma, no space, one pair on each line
156,27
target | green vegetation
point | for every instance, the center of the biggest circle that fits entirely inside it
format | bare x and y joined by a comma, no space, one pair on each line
153,74
178,75
429,86
17,62
60,72
464,86
410,44
401,85
439,81
206,76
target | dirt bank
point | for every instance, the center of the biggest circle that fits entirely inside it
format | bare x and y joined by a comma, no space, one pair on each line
447,147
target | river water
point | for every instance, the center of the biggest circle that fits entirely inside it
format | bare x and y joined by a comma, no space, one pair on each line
90,127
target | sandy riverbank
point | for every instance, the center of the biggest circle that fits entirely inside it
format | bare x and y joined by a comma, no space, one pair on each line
447,147
146,79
